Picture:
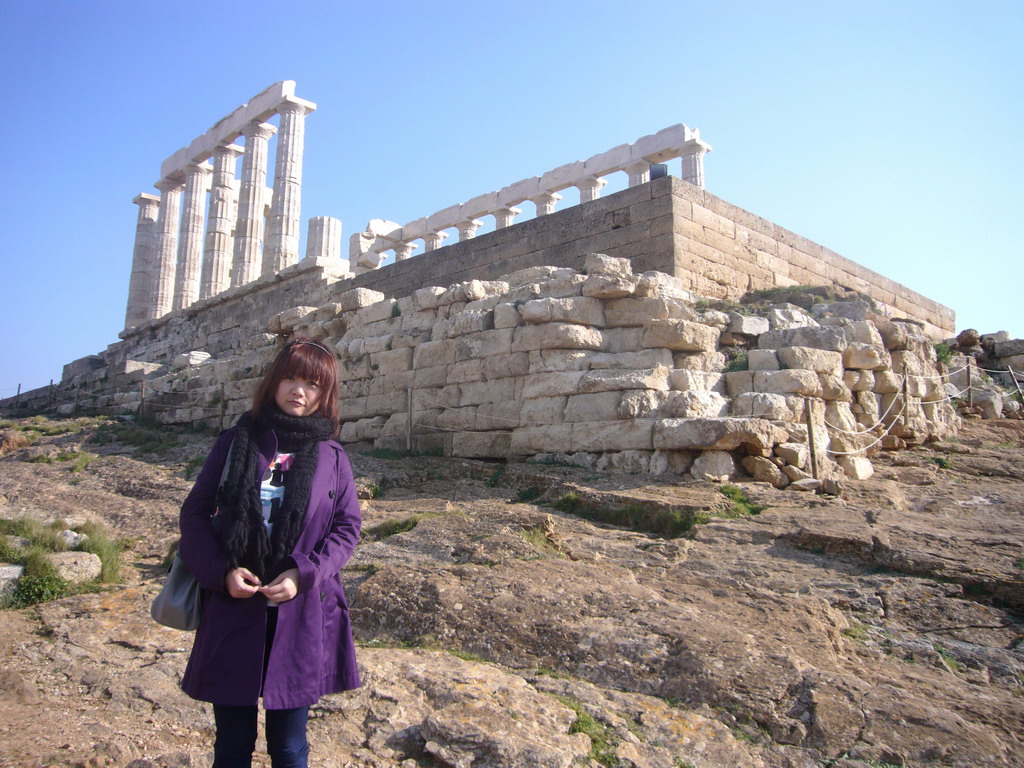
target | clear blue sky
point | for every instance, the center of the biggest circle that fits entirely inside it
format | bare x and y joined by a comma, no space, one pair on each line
890,132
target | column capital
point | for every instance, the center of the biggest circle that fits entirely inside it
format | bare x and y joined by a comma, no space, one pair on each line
503,217
432,240
639,173
404,250
144,198
198,169
545,202
258,130
228,150
590,188
467,229
169,185
295,105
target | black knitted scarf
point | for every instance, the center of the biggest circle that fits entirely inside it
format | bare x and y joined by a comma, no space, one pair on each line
245,537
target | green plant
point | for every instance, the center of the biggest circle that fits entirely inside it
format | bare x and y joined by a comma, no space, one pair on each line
602,740
742,506
941,462
1019,563
107,550
538,539
193,465
951,661
39,582
39,535
495,478
856,631
79,459
389,454
738,361
943,352
526,495
395,311
41,458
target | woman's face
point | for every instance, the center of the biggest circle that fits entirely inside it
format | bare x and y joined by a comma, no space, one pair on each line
296,396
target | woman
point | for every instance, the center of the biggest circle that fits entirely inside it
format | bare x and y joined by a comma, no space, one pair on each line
270,522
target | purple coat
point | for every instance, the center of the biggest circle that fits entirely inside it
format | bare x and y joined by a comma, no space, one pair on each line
312,653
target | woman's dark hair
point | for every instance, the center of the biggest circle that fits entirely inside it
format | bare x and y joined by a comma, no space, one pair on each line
303,359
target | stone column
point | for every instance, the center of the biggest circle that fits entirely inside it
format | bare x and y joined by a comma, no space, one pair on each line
140,286
467,229
693,153
166,247
283,227
220,223
639,173
323,238
404,251
190,235
545,203
248,245
432,241
503,217
590,189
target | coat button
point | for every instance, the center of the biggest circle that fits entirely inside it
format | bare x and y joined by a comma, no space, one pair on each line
323,596
330,494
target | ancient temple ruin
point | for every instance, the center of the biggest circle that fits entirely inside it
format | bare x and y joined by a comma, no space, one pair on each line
587,329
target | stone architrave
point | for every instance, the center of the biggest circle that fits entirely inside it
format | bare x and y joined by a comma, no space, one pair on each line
323,238
140,286
546,202
639,173
166,247
590,188
190,236
283,227
692,154
503,217
248,245
216,272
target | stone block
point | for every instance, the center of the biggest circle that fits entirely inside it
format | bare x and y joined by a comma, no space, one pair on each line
552,384
425,299
694,404
713,466
600,264
556,336
382,310
465,322
762,360
706,362
363,429
788,317
543,410
856,467
820,337
747,325
500,366
507,316
610,286
722,434
871,357
615,379
1010,348
499,415
626,462
617,340
763,405
482,445
457,419
285,322
601,436
682,335
641,404
76,567
796,381
465,371
547,438
490,391
483,344
644,358
472,290
817,360
547,360
190,359
738,382
887,382
435,376
859,381
575,309
536,275
434,353
394,361
863,332
596,406
764,471
637,311
794,454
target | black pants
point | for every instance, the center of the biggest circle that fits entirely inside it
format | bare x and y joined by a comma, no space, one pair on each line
236,727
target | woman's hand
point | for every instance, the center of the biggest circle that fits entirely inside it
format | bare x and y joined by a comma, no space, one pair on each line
283,588
241,582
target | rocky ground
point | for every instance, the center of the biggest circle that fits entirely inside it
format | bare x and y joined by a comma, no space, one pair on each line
880,628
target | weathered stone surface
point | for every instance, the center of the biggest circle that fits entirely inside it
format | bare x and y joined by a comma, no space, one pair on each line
722,434
1009,348
788,382
599,436
748,325
641,404
795,454
601,264
76,567
598,406
820,337
856,467
610,286
637,311
552,384
645,358
694,404
762,360
682,335
9,575
817,360
556,336
714,466
763,405
789,316
615,379
705,380
577,309
870,357
764,471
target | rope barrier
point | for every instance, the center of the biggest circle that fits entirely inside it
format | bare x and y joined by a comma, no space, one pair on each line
873,443
873,427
